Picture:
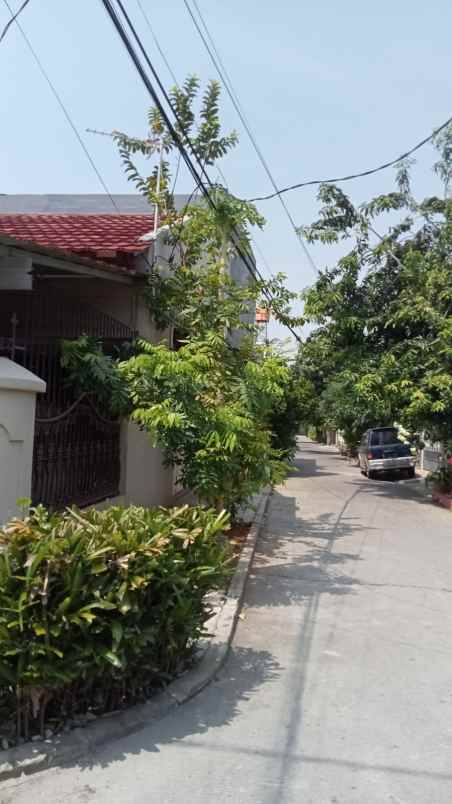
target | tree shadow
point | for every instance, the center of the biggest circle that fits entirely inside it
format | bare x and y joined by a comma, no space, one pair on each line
393,490
288,586
307,468
245,671
295,559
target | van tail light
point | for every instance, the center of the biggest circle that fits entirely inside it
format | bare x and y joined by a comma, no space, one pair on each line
370,455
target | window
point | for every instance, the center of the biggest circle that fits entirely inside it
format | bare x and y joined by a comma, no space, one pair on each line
381,438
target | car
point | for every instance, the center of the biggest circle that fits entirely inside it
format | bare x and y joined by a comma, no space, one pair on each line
381,450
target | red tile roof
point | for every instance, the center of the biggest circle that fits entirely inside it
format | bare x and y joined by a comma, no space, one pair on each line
106,237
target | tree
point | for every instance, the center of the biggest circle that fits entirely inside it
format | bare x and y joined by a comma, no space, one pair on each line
211,405
382,347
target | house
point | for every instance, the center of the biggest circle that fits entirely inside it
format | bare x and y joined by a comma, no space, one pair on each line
69,265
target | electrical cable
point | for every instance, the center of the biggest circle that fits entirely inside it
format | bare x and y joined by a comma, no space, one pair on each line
217,167
156,41
61,105
112,13
175,135
253,270
253,240
351,176
224,77
13,19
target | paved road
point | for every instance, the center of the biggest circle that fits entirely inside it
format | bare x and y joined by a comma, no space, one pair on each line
339,686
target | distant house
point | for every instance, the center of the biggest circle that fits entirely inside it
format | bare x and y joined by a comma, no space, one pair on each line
70,265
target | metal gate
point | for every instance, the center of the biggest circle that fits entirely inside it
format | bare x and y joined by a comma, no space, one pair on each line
76,456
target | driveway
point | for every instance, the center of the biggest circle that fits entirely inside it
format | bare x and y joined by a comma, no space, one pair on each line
339,684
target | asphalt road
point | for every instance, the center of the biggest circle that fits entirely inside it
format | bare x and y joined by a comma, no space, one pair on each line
339,685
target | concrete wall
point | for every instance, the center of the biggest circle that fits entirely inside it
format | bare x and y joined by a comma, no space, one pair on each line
144,479
18,389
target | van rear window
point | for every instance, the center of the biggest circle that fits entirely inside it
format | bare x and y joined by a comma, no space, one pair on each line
381,437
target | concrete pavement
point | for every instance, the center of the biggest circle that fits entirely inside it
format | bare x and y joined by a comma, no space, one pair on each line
339,683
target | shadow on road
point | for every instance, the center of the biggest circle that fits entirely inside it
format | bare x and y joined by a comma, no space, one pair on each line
285,576
393,490
217,706
308,468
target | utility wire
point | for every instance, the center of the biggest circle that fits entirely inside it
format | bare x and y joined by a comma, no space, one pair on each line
224,76
178,138
156,42
356,175
176,83
112,13
61,104
13,18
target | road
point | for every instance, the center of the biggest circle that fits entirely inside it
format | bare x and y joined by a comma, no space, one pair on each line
339,684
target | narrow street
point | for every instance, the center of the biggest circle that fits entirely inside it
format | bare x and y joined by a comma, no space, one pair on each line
339,684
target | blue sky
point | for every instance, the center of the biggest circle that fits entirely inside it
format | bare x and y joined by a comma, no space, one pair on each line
328,88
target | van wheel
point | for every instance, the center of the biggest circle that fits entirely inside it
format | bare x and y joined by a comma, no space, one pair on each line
371,475
411,471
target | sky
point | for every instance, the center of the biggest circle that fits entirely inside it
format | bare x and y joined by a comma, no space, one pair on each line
328,88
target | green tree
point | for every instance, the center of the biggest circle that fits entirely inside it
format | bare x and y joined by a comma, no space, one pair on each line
381,350
213,405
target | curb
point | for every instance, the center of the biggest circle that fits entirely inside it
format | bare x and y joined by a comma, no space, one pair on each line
33,757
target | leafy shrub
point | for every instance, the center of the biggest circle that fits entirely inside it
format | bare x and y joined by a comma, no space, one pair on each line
441,480
287,415
99,607
89,369
208,407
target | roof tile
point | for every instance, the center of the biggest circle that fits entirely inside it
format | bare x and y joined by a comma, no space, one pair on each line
102,236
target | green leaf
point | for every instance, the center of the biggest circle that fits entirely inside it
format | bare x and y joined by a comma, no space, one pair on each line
113,658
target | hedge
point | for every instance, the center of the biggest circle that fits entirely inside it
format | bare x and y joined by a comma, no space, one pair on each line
98,608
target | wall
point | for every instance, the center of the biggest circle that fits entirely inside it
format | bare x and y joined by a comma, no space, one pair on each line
241,275
144,479
18,389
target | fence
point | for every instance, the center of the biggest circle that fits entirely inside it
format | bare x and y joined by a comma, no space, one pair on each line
76,456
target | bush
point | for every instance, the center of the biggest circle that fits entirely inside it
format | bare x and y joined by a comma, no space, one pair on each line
97,608
286,416
441,480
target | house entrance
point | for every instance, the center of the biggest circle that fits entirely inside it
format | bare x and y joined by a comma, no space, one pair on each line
76,456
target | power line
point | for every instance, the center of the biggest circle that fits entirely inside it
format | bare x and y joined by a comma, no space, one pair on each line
253,270
13,18
356,175
176,83
112,13
177,139
253,240
224,76
156,41
61,104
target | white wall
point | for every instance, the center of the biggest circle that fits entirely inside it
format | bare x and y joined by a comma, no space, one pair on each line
18,389
144,479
